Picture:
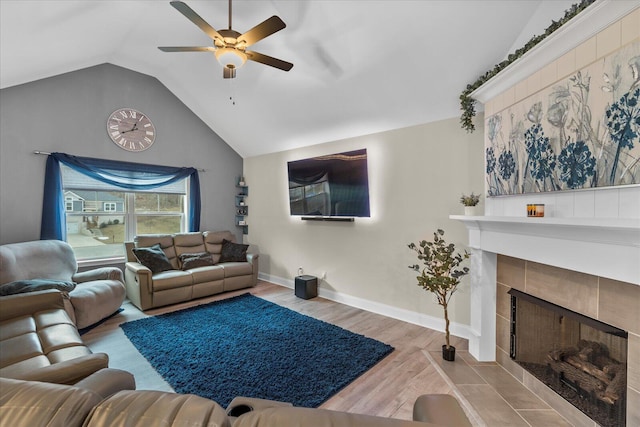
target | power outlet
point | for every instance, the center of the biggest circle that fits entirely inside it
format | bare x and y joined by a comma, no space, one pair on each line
324,275
300,271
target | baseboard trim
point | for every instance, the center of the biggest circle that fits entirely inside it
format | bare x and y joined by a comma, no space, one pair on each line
427,321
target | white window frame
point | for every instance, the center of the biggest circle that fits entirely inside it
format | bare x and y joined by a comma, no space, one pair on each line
130,218
110,207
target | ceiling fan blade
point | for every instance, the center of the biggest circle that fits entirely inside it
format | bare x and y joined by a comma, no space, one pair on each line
262,30
269,60
192,16
187,48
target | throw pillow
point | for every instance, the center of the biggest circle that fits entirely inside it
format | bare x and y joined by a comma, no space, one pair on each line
33,285
153,258
202,259
233,252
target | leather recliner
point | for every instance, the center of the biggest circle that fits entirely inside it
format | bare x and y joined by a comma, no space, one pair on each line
98,293
33,404
38,340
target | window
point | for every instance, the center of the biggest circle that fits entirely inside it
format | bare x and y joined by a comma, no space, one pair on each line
110,216
68,204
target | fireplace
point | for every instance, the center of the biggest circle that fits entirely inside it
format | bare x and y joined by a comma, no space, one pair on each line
580,358
587,266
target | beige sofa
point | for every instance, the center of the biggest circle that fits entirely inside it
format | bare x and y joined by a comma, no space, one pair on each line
147,290
98,292
25,403
38,340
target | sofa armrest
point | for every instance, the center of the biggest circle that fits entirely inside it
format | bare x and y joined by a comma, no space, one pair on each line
139,284
12,306
137,268
107,382
254,259
440,409
142,274
157,408
103,273
67,372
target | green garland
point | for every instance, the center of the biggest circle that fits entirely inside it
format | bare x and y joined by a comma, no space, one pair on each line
467,103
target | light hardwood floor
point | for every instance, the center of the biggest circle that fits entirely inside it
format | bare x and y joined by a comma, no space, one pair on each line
389,389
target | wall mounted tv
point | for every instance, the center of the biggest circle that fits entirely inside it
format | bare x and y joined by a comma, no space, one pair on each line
332,186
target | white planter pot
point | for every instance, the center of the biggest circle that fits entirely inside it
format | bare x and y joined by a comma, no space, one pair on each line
470,210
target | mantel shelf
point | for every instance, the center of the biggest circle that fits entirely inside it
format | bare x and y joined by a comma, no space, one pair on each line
595,223
602,247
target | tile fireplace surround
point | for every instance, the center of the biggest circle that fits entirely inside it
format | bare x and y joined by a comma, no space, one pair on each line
589,266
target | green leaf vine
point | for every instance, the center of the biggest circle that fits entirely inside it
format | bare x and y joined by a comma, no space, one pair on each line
468,104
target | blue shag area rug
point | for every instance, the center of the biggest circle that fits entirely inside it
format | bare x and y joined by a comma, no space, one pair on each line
246,346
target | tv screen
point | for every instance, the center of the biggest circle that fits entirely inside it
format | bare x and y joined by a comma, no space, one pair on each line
336,185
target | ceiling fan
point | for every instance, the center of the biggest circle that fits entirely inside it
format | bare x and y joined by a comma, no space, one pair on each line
229,46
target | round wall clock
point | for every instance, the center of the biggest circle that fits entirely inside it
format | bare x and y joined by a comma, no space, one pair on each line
131,130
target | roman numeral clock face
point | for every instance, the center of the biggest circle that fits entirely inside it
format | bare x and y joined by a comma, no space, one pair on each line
131,130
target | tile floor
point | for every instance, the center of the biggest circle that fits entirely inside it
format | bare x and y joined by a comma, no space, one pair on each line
496,397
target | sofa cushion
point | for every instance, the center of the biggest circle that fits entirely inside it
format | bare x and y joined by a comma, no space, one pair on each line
233,252
213,242
189,261
153,258
37,259
207,274
171,279
33,285
188,243
233,269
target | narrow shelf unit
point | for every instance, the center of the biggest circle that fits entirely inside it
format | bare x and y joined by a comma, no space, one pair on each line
242,209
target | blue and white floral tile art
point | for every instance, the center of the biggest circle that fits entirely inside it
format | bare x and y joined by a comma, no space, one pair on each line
581,132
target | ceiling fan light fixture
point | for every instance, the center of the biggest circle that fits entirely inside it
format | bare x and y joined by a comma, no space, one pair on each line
230,57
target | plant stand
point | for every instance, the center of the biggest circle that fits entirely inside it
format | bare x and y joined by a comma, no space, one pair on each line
448,354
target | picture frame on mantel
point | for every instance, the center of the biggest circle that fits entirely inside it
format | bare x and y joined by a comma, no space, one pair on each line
582,131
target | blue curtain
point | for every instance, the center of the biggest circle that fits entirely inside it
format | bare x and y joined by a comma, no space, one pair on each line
126,175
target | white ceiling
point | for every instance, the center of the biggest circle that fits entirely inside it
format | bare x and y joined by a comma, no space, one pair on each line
360,66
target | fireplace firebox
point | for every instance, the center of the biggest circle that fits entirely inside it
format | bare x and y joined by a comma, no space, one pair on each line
580,358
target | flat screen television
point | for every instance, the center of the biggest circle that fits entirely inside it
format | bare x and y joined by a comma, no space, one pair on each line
336,185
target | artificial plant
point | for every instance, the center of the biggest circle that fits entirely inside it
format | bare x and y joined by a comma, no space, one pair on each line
441,273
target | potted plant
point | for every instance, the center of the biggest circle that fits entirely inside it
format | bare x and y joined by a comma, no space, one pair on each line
440,275
469,202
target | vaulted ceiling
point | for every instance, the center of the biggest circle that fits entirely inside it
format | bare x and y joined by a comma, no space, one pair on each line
360,66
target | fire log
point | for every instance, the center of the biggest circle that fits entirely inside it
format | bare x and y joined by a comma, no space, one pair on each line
589,350
585,381
562,353
616,389
591,369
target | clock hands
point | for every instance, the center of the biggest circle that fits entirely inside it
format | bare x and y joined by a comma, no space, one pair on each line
135,127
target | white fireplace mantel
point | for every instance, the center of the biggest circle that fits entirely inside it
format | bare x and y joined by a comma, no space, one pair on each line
602,247
606,248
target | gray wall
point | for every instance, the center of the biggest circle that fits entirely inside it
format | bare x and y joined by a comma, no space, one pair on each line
68,113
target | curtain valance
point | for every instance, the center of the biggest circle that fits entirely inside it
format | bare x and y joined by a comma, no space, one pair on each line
125,175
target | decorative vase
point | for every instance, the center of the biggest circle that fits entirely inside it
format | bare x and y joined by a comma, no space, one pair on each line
448,354
469,210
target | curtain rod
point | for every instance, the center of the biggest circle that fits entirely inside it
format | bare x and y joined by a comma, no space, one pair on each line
48,154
